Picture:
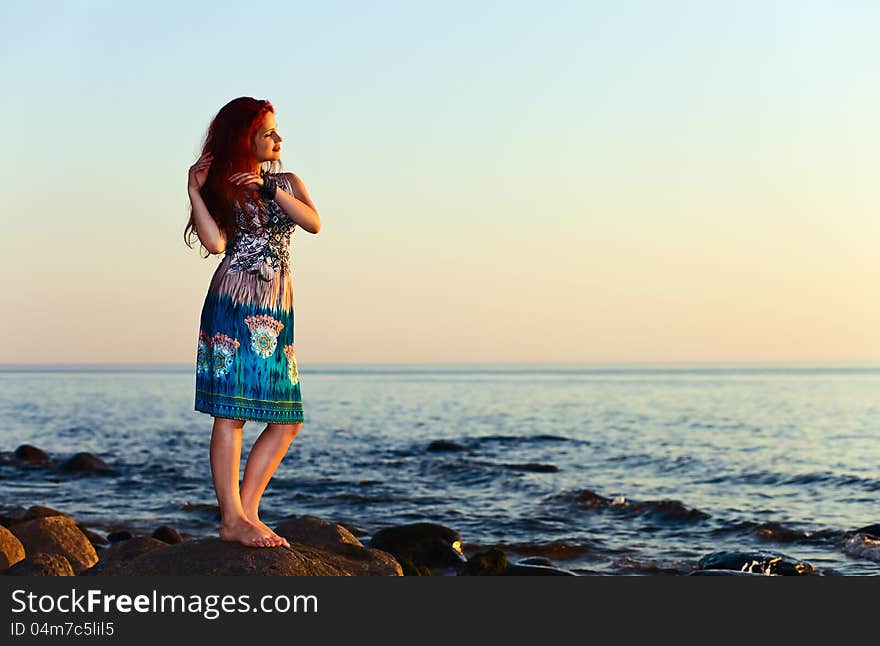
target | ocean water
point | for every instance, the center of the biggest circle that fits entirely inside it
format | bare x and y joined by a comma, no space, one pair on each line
617,469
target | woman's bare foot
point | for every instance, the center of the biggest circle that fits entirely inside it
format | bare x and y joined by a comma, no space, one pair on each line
247,533
279,540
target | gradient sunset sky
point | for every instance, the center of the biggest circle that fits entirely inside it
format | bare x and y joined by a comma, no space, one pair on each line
497,182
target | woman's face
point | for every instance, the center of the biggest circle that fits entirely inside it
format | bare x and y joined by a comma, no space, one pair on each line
267,141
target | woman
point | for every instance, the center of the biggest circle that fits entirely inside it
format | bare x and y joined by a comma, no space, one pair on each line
246,367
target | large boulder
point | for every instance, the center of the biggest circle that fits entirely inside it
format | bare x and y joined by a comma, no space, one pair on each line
215,557
56,535
336,539
41,564
120,553
11,549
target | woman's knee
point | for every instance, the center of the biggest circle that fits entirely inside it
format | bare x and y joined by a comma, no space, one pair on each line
289,430
227,424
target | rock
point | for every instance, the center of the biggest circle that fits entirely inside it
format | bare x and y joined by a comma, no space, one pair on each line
443,445
168,535
40,511
94,537
870,530
215,557
492,562
31,455
423,543
56,535
411,569
316,532
333,538
12,514
122,552
592,500
759,562
11,549
121,535
85,462
42,564
357,532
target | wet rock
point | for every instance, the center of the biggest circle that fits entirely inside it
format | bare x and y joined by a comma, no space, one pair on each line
12,514
721,573
94,537
31,456
492,562
335,539
11,549
41,511
863,542
121,535
355,531
591,500
215,557
756,562
168,535
411,569
42,564
122,552
869,530
668,510
423,543
56,535
85,463
444,445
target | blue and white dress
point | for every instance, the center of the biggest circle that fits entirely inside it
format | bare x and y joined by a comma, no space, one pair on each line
246,366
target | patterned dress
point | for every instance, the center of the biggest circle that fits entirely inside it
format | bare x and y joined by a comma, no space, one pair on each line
246,367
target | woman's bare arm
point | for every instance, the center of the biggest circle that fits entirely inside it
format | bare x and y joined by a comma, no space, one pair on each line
299,206
206,227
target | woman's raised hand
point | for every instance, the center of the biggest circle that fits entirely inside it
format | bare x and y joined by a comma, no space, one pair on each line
250,181
198,172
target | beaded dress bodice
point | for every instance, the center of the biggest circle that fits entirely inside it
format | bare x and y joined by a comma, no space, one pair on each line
262,236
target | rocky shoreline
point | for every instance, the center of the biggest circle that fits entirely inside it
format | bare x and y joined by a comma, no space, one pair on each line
42,541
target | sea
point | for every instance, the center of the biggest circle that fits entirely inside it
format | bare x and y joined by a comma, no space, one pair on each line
617,469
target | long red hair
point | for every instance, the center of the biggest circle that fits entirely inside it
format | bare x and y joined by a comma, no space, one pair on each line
229,140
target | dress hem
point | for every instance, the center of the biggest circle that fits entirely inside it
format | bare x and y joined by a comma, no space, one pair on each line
247,413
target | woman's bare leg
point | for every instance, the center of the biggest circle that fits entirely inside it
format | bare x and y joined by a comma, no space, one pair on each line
264,458
225,458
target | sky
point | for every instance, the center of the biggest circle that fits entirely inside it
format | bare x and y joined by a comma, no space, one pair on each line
529,182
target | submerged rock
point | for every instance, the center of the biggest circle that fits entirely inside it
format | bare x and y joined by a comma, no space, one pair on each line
85,462
31,456
755,562
444,445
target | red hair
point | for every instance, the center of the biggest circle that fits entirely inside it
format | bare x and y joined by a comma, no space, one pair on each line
229,140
